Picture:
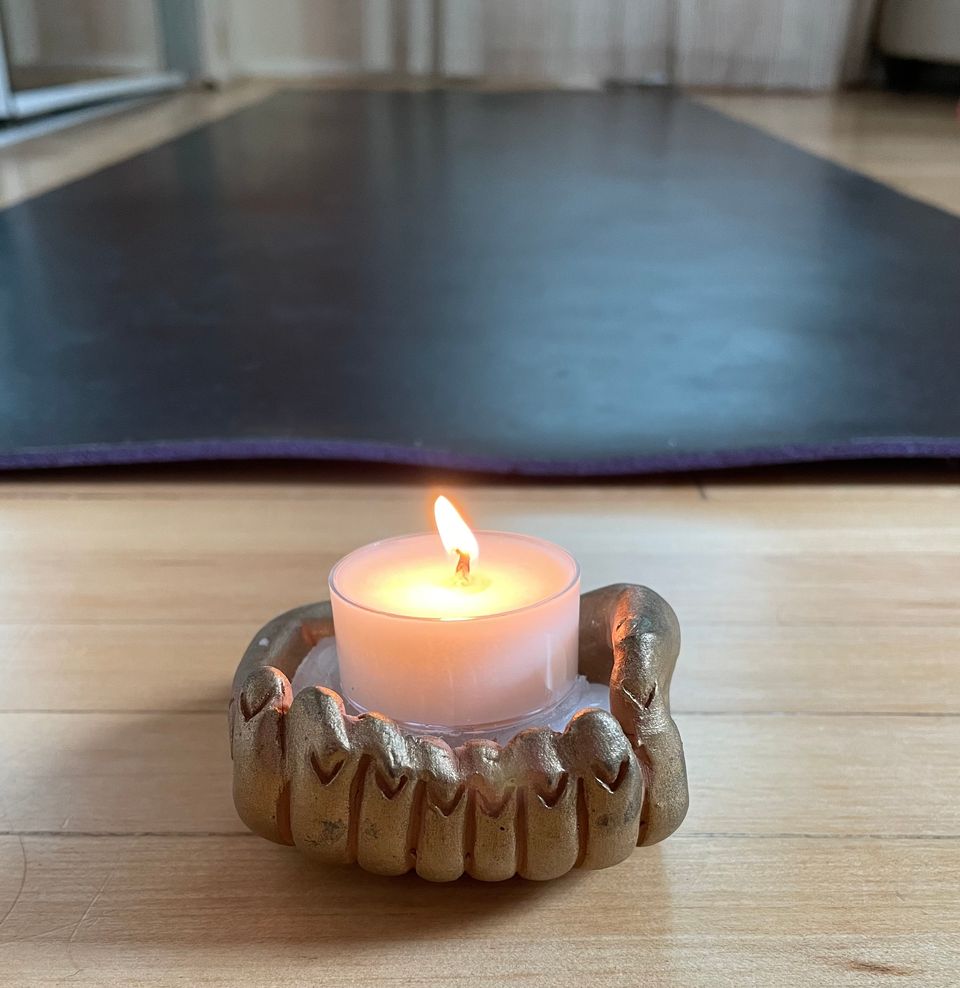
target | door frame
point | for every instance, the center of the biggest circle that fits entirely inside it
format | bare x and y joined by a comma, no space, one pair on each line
175,36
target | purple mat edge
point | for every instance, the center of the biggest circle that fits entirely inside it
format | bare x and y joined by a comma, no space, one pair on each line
97,454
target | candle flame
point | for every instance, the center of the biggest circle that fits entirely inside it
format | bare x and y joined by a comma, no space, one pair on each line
455,534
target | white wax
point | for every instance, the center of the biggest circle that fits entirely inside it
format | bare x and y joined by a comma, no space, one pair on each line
417,646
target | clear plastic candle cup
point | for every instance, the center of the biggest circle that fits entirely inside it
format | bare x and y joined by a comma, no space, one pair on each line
438,639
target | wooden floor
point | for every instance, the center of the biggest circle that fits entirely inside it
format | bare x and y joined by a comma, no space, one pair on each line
818,694
911,143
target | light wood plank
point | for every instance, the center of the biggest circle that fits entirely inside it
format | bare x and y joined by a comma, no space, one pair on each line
211,559
791,600
174,667
878,590
43,163
842,668
802,644
910,142
116,773
228,911
749,774
166,667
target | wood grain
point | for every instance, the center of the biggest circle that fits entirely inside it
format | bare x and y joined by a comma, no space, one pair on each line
813,774
41,164
230,911
168,774
908,142
818,692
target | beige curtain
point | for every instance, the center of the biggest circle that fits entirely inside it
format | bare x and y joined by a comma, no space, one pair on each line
780,44
783,44
792,44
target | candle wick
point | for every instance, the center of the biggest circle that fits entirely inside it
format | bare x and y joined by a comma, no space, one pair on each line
462,576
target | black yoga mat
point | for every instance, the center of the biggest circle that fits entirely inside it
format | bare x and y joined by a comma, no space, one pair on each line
544,283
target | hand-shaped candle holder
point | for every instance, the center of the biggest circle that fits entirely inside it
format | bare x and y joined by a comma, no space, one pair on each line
360,789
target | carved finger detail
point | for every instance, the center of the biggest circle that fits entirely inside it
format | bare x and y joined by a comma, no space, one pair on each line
258,743
645,641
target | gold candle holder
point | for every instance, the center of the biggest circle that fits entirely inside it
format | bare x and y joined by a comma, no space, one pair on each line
349,789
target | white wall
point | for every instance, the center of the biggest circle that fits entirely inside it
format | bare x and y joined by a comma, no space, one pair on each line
294,37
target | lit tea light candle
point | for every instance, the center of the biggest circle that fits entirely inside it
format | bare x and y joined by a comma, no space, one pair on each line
458,631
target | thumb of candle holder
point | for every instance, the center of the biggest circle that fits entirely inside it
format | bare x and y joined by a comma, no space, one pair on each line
347,789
